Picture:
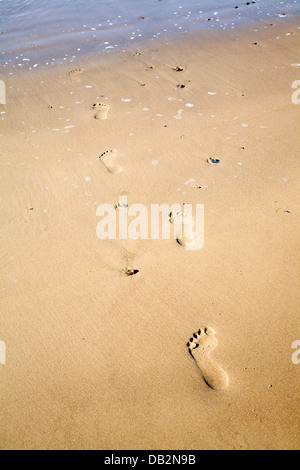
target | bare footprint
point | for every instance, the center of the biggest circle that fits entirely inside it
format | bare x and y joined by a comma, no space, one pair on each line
187,237
74,75
200,346
103,109
108,159
214,161
178,218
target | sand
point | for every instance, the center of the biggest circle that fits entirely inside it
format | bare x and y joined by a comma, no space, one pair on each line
96,359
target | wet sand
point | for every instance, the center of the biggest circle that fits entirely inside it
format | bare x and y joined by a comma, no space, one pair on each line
99,360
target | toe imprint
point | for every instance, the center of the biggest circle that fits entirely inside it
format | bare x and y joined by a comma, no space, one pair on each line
187,242
187,237
200,347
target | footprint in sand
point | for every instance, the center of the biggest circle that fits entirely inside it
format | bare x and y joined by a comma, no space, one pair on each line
108,159
74,75
187,241
103,109
213,161
187,238
178,218
200,347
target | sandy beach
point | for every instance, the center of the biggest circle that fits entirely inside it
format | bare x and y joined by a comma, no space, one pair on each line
96,359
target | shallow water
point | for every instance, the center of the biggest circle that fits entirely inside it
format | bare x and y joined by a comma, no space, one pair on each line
35,32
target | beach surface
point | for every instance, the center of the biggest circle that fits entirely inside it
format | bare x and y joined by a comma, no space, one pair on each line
96,359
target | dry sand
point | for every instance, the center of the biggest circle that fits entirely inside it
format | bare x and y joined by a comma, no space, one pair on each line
97,359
